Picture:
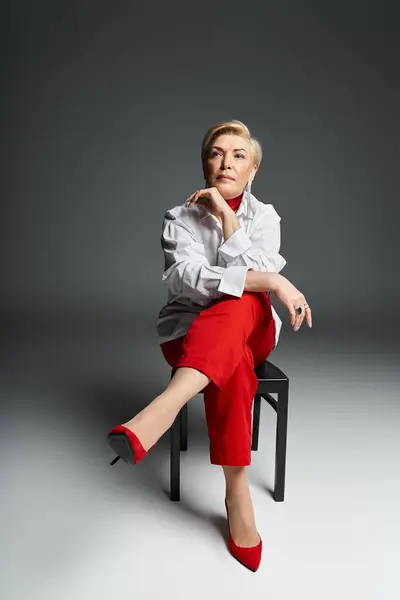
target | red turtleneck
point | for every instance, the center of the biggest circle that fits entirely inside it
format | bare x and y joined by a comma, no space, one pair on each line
234,203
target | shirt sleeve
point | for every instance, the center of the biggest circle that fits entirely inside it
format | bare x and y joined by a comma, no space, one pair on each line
260,252
187,270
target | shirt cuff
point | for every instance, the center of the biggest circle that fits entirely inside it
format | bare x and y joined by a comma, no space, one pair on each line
233,280
236,244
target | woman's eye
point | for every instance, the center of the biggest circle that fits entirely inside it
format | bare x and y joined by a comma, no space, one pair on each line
238,154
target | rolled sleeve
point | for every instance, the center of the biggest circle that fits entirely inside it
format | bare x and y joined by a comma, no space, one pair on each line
233,280
235,245
187,271
260,250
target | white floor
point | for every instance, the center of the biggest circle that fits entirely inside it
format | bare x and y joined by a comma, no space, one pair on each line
76,528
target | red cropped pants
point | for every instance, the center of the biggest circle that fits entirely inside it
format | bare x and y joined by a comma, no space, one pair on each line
226,342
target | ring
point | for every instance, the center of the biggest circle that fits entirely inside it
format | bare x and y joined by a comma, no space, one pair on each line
299,310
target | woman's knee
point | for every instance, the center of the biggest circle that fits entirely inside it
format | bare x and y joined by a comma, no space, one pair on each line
257,297
255,301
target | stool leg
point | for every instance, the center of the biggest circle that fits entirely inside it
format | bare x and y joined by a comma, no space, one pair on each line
183,413
280,445
256,421
175,442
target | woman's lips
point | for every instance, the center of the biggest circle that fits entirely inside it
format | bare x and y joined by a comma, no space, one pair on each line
225,179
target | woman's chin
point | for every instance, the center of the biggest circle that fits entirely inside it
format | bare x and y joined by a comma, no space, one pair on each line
226,189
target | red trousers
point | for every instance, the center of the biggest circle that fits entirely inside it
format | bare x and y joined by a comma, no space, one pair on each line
226,342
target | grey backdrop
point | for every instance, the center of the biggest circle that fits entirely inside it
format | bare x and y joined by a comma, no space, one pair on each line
105,107
108,105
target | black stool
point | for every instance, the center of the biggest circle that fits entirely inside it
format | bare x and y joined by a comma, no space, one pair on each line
270,379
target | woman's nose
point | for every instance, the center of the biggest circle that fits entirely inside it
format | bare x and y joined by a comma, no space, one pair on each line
226,163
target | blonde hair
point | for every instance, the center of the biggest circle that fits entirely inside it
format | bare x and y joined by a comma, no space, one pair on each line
234,127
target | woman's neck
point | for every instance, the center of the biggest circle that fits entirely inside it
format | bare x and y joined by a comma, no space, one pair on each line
234,203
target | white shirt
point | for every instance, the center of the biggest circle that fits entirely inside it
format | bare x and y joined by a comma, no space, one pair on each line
201,267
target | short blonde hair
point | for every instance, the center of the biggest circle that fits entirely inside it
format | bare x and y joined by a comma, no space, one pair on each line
237,128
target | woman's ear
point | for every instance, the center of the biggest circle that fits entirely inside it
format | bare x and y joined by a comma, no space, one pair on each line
252,174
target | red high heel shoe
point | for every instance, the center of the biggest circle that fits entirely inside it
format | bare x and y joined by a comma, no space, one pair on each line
249,557
126,444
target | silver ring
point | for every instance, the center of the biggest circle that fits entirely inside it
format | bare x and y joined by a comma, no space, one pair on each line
299,310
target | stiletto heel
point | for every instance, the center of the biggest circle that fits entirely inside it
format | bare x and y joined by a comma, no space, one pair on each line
249,557
126,444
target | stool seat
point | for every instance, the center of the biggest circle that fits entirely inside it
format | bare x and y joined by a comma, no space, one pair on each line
267,370
271,379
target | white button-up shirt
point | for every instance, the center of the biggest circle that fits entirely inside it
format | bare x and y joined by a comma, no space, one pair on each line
201,267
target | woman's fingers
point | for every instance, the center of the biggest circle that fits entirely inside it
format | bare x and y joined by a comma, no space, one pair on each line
299,301
298,322
305,314
308,315
292,314
191,197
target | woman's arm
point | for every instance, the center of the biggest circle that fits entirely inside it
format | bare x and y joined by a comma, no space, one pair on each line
261,282
261,250
187,271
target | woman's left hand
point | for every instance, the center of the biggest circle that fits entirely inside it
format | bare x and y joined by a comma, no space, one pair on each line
211,200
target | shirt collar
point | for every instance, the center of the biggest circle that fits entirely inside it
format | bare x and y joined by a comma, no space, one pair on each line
244,205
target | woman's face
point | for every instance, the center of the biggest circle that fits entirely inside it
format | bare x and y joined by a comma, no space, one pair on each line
229,155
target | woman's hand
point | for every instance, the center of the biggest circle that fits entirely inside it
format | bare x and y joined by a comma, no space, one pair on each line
292,298
211,200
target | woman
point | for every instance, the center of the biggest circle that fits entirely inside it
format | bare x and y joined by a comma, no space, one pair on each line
222,258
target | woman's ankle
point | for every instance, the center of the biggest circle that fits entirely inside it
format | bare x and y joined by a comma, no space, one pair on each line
237,492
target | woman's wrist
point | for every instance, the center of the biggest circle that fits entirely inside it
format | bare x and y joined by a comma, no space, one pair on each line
257,281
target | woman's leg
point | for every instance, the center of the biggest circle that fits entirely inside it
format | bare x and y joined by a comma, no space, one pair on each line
229,415
230,428
242,333
241,513
158,416
205,355
218,355
229,408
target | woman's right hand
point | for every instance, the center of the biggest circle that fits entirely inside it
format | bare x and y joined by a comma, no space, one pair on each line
292,298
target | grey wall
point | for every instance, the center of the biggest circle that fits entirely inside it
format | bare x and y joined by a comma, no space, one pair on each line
106,108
